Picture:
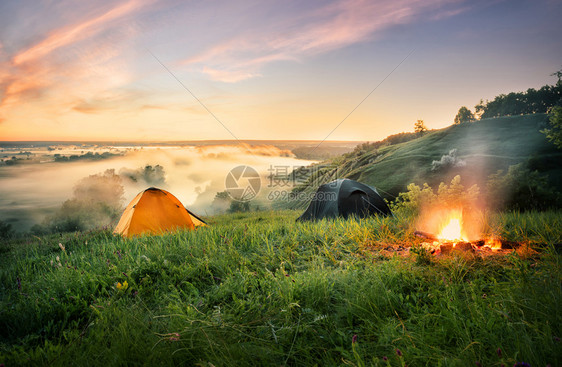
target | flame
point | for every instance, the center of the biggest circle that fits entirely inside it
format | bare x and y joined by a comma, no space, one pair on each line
493,243
452,230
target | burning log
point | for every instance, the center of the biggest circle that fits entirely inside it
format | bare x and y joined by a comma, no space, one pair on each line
447,246
427,236
463,246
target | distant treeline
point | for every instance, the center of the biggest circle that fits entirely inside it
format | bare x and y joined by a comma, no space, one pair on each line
522,103
389,140
85,156
321,152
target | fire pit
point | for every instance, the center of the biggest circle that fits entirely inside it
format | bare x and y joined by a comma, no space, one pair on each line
452,238
437,246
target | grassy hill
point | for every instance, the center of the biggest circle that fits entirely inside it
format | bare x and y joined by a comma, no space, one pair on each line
484,146
258,289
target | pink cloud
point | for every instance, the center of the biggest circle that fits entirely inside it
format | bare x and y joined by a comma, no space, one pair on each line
76,32
228,76
54,67
331,27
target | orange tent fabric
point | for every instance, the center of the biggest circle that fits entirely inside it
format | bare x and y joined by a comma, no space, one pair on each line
155,211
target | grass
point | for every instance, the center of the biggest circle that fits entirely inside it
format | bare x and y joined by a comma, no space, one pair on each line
259,289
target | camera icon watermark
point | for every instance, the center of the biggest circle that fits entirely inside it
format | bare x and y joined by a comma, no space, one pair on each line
243,183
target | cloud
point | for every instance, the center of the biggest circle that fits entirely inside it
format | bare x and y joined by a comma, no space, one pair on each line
71,61
76,32
113,100
228,76
333,26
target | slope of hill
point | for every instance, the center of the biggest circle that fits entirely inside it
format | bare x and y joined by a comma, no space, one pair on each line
482,148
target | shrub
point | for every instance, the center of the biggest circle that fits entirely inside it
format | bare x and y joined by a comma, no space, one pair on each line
97,201
449,196
521,189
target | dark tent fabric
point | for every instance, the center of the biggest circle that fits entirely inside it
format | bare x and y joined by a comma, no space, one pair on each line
344,198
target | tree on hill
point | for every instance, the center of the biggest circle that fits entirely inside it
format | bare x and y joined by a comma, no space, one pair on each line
419,127
554,132
558,74
523,103
464,115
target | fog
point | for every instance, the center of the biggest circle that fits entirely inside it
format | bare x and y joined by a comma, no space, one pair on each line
194,174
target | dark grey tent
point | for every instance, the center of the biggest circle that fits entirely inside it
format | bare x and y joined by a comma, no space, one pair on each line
344,198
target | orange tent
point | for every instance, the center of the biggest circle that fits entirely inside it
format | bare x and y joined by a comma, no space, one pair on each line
155,211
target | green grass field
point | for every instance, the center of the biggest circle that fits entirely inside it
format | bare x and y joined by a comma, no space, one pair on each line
259,289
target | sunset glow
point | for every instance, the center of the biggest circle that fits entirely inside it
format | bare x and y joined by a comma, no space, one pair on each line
267,70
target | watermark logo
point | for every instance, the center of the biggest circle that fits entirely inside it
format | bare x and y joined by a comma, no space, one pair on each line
243,183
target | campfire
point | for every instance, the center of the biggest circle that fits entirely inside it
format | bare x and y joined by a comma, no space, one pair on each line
453,236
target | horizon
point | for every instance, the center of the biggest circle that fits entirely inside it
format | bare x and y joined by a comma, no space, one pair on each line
177,141
342,70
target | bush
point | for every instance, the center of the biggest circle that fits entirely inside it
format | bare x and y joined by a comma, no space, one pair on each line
554,131
448,196
6,230
97,201
521,189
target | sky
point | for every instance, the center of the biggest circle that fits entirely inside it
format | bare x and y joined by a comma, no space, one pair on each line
260,69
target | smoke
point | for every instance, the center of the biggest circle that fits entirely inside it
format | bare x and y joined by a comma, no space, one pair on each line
448,161
194,174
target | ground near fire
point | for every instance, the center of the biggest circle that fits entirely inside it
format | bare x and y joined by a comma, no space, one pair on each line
459,276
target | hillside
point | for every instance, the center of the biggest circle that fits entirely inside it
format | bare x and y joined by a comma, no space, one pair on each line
483,146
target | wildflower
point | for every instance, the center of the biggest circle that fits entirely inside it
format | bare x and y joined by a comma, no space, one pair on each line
123,286
385,358
499,352
556,339
354,339
18,280
478,364
398,352
521,364
62,247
